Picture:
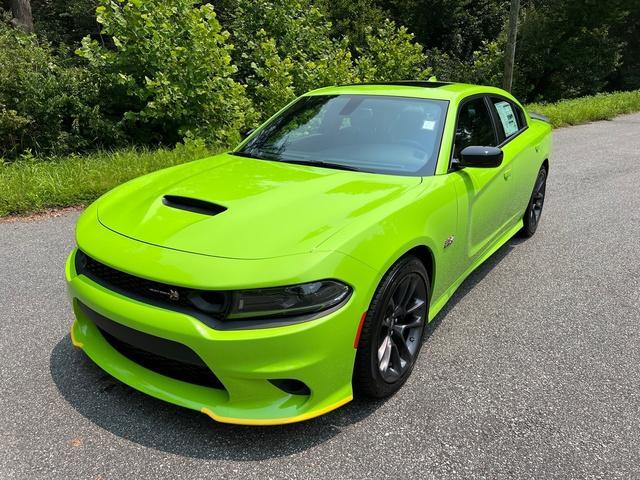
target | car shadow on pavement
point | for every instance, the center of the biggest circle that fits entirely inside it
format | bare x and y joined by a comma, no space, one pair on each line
471,281
142,419
137,417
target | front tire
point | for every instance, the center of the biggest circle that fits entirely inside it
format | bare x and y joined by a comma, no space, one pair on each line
392,332
533,212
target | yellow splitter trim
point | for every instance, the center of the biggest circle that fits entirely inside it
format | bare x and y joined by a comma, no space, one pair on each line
276,421
75,342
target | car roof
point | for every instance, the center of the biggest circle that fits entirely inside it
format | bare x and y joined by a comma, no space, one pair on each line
412,88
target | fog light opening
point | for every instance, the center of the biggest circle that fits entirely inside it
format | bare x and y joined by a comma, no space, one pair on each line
291,386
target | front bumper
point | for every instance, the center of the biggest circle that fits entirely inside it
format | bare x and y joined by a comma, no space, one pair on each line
320,353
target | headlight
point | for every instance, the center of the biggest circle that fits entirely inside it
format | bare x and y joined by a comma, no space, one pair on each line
294,300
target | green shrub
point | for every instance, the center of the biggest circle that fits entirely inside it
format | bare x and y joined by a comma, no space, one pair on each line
484,67
284,48
169,73
65,21
390,53
47,105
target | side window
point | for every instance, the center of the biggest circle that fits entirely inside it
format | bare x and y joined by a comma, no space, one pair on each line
511,117
474,126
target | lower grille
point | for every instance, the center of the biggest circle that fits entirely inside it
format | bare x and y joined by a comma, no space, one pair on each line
166,357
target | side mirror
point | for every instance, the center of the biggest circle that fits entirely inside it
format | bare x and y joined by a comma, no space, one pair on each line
480,157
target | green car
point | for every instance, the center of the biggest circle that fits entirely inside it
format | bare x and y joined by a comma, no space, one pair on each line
268,284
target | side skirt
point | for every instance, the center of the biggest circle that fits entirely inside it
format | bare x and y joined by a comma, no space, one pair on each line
444,298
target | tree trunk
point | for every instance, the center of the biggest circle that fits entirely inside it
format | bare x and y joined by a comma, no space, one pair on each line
22,17
510,48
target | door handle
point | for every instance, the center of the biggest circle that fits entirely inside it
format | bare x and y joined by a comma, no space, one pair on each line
507,174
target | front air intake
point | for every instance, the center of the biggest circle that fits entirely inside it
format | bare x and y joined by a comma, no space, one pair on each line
193,205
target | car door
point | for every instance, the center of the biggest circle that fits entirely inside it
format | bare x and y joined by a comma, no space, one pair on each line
518,153
483,193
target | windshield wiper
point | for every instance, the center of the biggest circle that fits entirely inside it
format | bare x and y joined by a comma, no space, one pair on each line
337,166
246,154
313,163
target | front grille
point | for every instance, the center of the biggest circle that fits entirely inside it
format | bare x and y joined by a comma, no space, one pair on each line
166,357
171,296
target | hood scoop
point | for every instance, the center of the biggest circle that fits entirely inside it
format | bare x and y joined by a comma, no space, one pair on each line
194,205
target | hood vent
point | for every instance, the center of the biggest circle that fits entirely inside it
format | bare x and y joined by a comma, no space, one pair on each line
193,205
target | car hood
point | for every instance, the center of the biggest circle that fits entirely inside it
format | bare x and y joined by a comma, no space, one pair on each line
260,208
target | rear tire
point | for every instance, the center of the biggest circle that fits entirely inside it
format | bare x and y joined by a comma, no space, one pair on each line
392,332
533,213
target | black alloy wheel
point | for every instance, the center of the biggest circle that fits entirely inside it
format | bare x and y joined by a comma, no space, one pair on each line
392,334
533,213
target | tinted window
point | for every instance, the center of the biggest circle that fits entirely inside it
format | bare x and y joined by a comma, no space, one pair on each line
474,126
373,133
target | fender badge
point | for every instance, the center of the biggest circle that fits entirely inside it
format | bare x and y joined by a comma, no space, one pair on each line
449,241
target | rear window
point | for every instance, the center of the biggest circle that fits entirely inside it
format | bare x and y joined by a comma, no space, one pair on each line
511,117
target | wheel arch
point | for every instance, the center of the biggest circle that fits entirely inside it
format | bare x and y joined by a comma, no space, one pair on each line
545,164
425,255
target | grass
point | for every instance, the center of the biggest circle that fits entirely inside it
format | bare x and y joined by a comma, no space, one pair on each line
602,106
33,185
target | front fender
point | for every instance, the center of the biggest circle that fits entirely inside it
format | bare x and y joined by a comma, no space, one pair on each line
427,219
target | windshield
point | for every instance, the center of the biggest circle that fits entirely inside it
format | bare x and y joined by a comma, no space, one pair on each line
370,133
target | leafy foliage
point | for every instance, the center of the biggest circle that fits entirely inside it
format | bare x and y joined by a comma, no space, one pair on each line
169,74
65,21
353,18
152,72
456,27
565,49
390,53
284,48
47,104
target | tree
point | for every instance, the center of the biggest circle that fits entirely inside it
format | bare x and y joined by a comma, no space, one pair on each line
566,49
456,27
22,17
510,49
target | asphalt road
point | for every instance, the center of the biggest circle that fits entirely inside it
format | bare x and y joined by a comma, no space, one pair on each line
532,371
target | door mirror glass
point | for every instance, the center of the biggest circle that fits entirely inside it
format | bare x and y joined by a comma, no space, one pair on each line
480,157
